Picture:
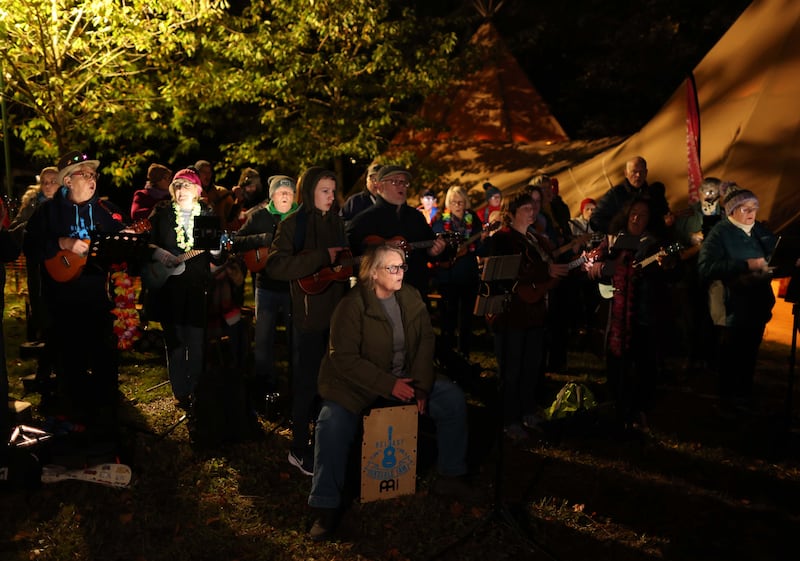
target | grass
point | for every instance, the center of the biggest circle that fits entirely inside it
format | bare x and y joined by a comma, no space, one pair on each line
701,485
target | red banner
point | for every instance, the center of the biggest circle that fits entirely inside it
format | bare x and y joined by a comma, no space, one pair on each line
693,140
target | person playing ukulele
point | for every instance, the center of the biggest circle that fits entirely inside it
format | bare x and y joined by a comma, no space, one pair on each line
81,340
306,242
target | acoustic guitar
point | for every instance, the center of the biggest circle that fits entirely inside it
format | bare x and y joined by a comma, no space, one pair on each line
67,265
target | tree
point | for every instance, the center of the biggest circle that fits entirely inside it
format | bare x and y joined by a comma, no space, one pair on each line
84,74
313,82
281,83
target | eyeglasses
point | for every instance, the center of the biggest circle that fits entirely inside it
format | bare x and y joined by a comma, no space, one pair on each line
748,209
87,175
395,269
397,182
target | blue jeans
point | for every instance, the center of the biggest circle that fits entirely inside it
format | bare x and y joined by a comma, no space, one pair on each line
337,427
269,306
184,346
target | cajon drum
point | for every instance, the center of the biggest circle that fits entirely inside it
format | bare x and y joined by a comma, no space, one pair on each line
389,453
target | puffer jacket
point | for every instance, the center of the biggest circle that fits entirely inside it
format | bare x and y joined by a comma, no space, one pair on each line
358,366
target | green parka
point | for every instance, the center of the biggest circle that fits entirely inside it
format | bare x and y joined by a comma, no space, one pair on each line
358,366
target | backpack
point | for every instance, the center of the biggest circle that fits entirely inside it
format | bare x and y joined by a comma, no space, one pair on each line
571,399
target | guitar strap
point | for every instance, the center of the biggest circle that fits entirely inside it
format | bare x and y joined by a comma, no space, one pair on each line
533,241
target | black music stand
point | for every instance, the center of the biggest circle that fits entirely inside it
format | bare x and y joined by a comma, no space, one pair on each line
112,248
498,280
792,296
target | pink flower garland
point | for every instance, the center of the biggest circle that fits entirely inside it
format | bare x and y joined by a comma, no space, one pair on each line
126,317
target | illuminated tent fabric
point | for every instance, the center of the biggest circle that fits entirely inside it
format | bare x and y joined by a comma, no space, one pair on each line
748,89
491,125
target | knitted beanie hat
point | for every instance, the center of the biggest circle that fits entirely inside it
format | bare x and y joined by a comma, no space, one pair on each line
491,190
736,198
585,202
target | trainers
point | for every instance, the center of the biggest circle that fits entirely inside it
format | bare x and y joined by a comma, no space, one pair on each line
515,432
301,461
324,525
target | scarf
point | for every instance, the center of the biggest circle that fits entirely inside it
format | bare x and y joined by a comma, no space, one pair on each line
621,323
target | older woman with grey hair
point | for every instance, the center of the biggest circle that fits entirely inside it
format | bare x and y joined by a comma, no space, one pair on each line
381,346
457,274
734,259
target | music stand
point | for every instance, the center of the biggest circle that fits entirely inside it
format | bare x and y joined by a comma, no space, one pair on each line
112,248
786,265
498,279
782,262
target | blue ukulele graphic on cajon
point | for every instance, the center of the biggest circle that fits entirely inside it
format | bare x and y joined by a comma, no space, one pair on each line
389,459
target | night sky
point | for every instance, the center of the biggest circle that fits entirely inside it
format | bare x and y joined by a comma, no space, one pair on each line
605,69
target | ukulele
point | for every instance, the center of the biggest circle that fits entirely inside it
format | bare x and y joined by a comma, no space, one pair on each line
164,264
256,259
530,293
67,265
452,238
607,290
463,247
669,250
339,271
342,269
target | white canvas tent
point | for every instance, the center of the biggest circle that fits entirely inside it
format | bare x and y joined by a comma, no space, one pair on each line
749,95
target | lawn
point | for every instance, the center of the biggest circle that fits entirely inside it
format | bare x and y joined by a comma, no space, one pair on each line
703,484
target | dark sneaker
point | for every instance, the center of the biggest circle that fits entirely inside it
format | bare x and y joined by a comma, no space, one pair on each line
324,525
303,462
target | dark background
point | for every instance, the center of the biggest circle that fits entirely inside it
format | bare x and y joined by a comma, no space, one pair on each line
604,68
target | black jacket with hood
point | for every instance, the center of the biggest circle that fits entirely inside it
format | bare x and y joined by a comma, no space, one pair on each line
297,254
59,217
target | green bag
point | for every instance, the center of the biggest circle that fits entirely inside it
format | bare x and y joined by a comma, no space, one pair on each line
571,399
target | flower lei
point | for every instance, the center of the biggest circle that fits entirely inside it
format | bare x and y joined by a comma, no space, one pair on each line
447,224
185,239
126,317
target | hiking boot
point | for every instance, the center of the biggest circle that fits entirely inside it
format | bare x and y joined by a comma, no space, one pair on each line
324,525
455,487
302,461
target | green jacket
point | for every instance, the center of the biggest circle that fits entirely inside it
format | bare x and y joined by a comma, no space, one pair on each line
357,368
